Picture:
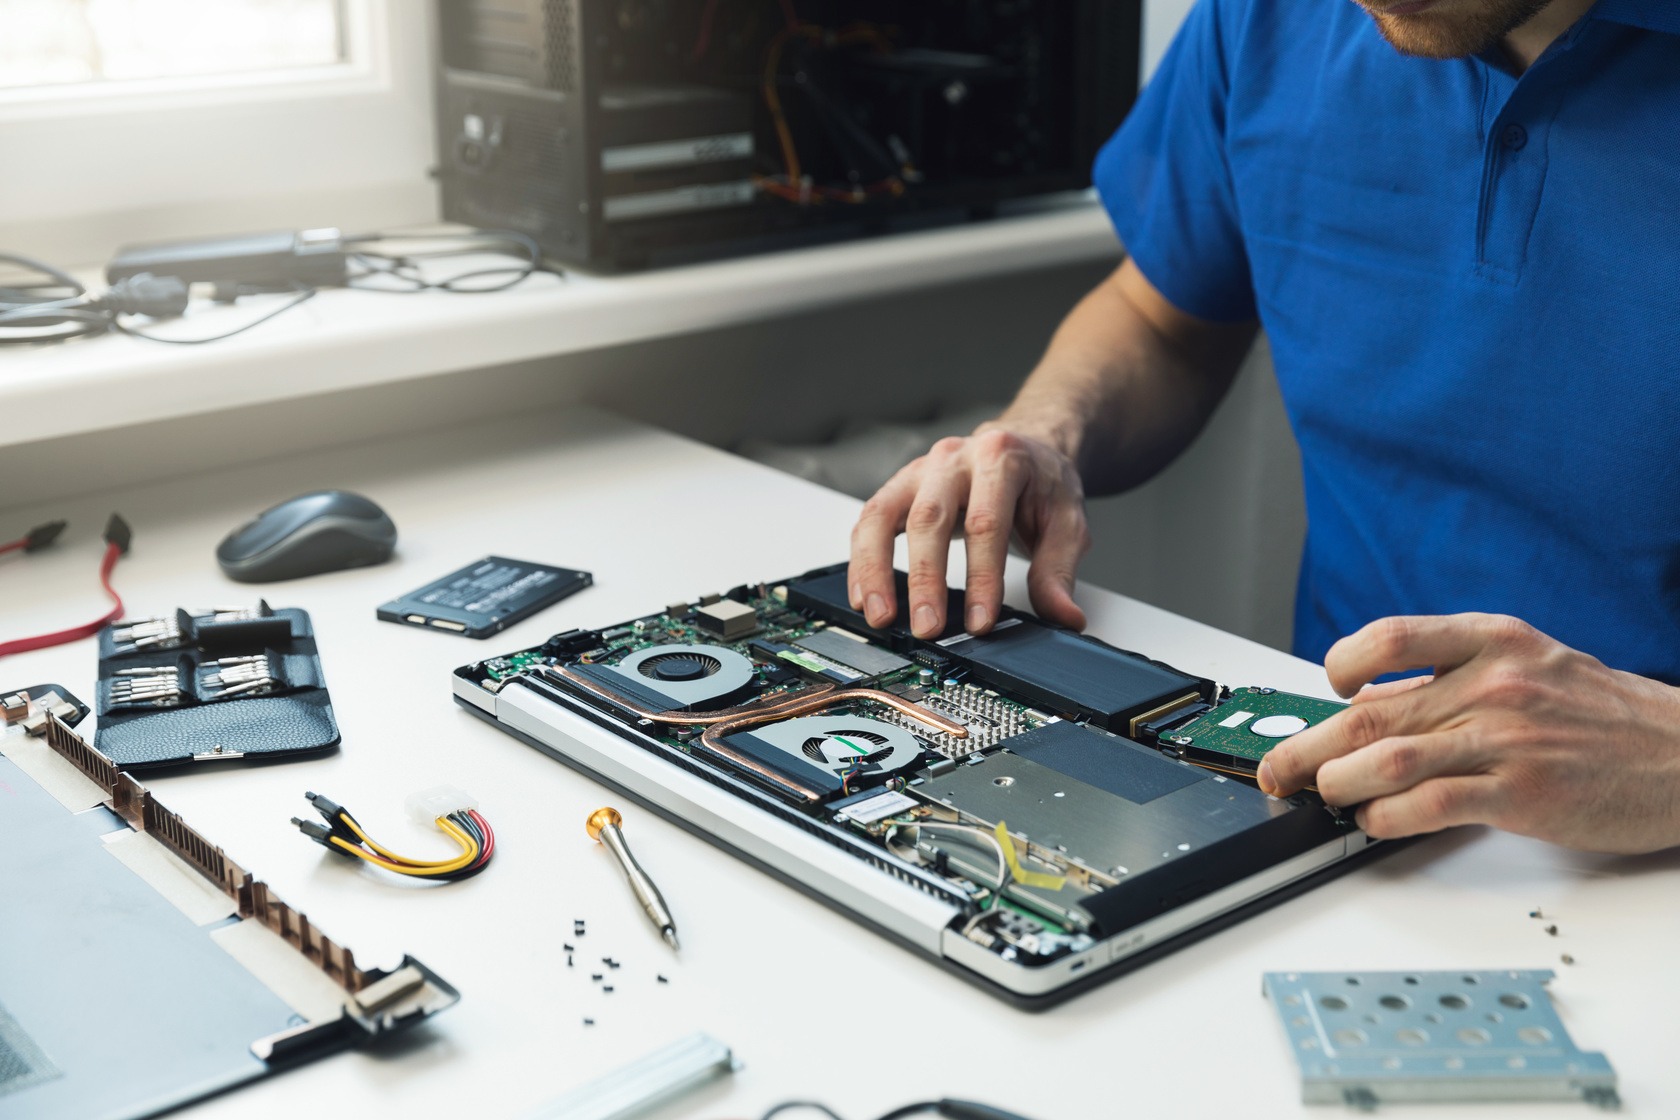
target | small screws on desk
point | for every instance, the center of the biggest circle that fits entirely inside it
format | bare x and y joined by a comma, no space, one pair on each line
603,825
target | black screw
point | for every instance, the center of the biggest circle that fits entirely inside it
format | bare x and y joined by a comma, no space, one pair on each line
1552,930
589,1022
568,948
594,975
663,980
568,960
606,987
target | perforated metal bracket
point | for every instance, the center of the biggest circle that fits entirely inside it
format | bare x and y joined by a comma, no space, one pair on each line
1363,1038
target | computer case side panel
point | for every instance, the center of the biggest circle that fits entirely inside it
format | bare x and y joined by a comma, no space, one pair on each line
515,129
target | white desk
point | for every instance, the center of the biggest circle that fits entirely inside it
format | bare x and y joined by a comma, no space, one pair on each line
815,1006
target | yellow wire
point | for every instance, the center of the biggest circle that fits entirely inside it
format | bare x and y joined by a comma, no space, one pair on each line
461,838
773,99
772,63
461,835
424,873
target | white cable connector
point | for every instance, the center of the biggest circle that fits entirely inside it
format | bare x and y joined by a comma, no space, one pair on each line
428,805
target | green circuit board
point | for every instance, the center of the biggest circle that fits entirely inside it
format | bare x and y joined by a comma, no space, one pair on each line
991,718
885,719
1238,733
500,668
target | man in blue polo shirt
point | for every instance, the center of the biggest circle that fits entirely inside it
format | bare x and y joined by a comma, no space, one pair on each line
1458,222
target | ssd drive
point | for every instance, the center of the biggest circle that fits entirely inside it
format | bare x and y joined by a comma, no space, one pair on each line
485,597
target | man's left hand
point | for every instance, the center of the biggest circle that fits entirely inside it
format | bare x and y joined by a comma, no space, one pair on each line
1514,730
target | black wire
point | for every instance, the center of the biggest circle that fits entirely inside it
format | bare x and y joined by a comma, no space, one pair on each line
466,823
59,308
788,1106
405,267
72,322
464,820
306,294
30,294
912,1110
61,302
816,1106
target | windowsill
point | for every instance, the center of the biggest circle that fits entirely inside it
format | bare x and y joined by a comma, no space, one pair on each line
349,339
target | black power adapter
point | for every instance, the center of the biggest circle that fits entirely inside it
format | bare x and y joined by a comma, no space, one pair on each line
241,264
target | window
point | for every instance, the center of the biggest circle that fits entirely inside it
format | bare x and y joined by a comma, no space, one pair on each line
136,120
69,42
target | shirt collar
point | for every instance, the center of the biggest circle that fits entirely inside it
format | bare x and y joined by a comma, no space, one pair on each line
1653,15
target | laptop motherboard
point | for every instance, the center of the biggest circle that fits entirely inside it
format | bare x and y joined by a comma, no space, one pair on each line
1056,790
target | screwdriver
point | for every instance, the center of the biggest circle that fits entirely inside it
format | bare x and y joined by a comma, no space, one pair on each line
603,825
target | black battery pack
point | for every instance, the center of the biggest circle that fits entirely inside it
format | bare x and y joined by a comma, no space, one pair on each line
485,597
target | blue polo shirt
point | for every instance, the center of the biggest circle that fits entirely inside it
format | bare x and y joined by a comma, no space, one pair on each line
1471,285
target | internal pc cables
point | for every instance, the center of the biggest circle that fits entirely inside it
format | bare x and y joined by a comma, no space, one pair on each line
117,539
455,814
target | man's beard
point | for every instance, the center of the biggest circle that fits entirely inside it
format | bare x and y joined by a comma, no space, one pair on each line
1453,28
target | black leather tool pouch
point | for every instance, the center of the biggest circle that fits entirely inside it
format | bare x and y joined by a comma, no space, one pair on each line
212,687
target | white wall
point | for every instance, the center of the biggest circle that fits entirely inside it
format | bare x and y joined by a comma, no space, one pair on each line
1160,23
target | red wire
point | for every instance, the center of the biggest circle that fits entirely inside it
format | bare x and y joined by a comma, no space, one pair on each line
13,546
489,837
42,641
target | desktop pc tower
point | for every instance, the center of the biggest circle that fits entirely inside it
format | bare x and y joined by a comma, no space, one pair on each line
621,134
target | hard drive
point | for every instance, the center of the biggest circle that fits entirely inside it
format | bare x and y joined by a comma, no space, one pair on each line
485,597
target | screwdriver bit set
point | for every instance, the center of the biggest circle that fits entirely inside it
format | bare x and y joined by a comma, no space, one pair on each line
211,685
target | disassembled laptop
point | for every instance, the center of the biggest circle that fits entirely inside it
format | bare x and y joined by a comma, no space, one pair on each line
1033,808
223,982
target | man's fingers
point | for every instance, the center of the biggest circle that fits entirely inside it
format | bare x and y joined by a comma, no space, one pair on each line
1055,562
869,577
985,486
986,528
1403,643
1394,765
927,529
1389,688
1436,804
1294,763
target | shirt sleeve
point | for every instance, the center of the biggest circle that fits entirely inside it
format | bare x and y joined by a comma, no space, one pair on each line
1166,183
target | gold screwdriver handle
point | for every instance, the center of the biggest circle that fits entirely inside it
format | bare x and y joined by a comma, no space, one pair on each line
603,825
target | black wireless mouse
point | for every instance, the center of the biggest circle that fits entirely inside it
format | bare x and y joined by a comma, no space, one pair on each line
322,531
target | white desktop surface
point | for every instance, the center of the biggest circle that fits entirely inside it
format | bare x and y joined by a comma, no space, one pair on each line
814,1005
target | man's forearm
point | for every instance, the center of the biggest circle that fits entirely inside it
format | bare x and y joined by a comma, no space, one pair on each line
1127,382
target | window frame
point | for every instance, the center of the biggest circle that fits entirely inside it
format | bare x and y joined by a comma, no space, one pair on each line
363,61
96,164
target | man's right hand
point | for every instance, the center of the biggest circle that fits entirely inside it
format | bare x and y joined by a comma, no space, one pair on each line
994,482
1127,382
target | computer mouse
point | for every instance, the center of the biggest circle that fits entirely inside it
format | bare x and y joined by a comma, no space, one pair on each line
322,531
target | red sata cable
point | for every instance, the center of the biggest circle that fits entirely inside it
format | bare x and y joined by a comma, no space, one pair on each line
117,537
36,539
